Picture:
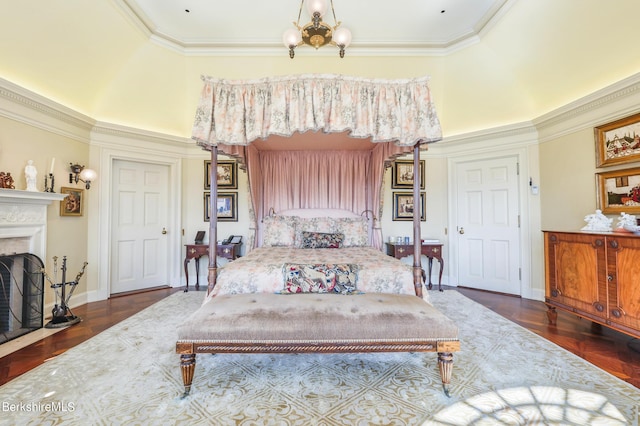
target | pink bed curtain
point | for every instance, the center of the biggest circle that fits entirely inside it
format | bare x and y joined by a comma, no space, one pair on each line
232,114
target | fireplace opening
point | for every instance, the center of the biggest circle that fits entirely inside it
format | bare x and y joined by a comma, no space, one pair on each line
21,295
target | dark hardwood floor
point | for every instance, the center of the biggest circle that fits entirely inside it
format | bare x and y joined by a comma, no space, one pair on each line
601,346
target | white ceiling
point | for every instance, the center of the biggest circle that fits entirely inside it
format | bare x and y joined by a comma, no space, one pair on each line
376,25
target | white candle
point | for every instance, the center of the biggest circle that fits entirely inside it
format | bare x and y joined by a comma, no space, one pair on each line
53,160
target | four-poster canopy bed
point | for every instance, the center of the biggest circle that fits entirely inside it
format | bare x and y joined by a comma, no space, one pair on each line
314,211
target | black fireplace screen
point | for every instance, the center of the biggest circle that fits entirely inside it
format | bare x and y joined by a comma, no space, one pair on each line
21,295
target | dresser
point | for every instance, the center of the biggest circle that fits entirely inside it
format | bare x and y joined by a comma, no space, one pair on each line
196,251
595,276
430,250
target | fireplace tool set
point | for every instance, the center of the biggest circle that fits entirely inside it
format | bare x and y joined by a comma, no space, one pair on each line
62,315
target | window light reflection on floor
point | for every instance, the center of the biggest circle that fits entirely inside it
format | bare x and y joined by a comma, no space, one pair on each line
532,405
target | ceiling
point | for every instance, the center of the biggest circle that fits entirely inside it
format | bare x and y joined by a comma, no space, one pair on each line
376,25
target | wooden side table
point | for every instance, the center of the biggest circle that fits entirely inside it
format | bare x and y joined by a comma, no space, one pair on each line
196,251
431,250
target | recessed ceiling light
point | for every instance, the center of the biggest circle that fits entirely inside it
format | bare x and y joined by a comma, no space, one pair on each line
187,10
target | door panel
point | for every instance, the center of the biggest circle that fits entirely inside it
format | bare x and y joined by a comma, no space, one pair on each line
487,224
140,211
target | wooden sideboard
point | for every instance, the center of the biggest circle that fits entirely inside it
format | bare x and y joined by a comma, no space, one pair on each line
430,250
196,251
595,276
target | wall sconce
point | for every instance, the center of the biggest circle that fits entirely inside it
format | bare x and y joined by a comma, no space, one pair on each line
79,173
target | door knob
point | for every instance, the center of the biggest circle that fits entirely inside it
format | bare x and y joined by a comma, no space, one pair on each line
164,231
461,230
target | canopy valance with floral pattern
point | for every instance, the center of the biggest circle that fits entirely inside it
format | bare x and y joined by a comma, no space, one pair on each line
239,112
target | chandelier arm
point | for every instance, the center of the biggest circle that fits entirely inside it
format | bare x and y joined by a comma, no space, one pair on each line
300,13
335,21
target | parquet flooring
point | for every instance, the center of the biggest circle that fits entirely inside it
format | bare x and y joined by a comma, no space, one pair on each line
601,346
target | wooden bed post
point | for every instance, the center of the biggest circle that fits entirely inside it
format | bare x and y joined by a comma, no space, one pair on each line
417,208
213,221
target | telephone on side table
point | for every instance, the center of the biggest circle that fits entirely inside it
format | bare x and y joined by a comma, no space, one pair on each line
229,248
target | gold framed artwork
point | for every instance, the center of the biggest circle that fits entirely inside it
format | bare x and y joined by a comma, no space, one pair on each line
403,174
619,191
403,206
73,203
227,175
618,142
227,206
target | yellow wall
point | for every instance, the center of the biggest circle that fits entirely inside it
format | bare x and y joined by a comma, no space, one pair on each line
66,236
568,185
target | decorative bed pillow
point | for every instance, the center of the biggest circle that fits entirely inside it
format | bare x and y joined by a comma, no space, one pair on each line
325,225
313,240
320,278
278,231
355,230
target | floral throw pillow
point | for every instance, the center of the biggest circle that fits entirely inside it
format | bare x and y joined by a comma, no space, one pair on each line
312,240
355,230
320,278
278,231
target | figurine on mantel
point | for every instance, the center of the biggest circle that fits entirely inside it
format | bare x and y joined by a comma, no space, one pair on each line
627,223
597,222
30,174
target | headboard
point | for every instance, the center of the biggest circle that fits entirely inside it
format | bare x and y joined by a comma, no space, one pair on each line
285,229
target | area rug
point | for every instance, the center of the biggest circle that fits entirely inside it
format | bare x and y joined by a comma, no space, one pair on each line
129,374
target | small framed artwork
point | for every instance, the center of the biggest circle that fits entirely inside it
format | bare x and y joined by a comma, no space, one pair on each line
227,206
403,174
403,206
227,174
619,191
618,142
73,203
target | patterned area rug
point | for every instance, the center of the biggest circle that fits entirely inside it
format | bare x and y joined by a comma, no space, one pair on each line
504,374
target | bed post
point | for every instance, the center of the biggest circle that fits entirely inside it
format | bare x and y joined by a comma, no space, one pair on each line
417,207
213,221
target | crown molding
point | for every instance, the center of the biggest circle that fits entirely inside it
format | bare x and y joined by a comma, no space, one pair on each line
607,104
110,134
25,106
204,47
509,136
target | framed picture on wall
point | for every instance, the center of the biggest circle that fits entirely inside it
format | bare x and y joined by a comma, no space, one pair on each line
403,174
227,174
73,203
618,142
227,206
619,191
403,206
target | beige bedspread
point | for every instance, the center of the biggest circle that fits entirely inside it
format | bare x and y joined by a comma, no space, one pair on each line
260,271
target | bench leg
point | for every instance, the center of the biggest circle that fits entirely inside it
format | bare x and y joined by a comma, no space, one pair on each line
187,366
445,365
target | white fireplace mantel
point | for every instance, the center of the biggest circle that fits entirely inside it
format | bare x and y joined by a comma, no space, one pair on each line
16,196
23,220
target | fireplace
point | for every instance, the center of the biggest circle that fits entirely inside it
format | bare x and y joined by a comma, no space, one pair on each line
23,242
21,295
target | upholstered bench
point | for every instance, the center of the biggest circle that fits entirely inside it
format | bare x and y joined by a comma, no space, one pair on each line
330,323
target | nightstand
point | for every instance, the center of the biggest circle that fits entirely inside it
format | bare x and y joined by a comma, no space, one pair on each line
196,251
431,250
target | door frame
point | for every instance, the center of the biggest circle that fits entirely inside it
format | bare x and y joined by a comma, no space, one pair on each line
525,252
104,218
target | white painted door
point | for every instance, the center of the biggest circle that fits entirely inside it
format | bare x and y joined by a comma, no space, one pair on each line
488,225
140,198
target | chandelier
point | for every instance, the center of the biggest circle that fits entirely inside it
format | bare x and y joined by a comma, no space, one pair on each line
316,33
